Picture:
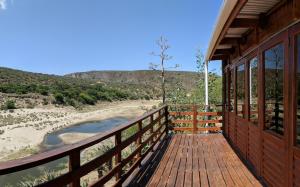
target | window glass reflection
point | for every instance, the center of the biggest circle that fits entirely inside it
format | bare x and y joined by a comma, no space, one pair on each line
231,87
240,90
298,88
253,85
274,100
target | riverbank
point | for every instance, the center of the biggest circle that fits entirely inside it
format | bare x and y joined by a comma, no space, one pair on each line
24,129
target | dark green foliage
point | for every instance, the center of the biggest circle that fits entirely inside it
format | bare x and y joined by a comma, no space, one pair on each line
8,105
59,98
87,99
65,90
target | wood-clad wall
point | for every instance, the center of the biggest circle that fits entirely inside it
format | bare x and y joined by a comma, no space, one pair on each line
275,159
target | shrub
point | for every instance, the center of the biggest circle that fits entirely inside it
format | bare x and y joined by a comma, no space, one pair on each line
59,98
9,104
87,99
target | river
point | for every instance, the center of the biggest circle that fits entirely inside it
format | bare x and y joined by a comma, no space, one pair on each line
52,141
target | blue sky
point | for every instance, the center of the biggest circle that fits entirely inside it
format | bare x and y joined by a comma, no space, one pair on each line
64,36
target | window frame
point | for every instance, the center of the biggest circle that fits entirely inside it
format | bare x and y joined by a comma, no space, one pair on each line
232,74
281,38
241,62
293,33
254,54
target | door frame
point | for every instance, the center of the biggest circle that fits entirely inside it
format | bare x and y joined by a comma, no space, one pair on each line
268,134
294,148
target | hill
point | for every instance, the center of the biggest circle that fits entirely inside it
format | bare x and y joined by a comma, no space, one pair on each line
142,79
28,87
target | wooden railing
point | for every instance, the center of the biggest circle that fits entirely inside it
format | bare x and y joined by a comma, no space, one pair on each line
143,133
149,129
193,118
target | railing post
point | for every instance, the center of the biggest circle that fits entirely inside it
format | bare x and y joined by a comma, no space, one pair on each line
74,163
167,119
159,122
151,129
118,156
139,140
194,119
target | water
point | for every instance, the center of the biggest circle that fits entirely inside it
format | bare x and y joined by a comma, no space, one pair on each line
52,141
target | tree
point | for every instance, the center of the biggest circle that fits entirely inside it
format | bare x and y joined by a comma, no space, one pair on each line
164,57
200,62
214,84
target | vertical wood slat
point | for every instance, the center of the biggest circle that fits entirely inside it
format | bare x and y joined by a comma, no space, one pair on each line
118,156
151,130
194,108
139,140
74,163
159,122
167,119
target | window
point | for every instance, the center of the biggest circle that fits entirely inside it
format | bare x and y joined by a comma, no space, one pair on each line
226,89
298,88
253,89
231,87
274,101
240,90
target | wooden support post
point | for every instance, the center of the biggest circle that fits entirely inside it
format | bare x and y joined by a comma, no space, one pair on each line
118,156
151,130
74,163
167,119
139,140
159,122
194,119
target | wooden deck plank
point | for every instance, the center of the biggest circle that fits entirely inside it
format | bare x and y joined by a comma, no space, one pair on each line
188,176
195,164
169,165
162,165
171,181
201,160
165,175
231,172
182,165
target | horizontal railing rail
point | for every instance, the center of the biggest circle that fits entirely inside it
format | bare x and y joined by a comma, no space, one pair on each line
194,118
150,128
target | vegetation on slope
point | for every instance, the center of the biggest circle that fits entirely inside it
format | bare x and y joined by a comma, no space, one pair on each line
89,87
64,90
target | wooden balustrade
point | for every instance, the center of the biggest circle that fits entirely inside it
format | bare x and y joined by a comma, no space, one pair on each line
78,170
144,138
186,118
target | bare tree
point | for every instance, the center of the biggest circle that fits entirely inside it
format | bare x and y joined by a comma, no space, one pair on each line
164,57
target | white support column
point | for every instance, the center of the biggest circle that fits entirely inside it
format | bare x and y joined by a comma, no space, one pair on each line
206,83
206,91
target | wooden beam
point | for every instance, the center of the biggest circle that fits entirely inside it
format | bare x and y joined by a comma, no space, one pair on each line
220,57
232,41
244,23
224,51
234,13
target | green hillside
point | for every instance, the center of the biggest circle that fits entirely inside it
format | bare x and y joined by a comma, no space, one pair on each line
77,89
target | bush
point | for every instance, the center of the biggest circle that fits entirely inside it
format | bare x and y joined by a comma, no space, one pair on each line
87,99
59,98
8,105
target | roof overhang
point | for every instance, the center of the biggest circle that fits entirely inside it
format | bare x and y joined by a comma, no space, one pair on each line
235,20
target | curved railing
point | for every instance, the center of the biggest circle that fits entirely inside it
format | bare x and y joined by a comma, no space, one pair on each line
149,129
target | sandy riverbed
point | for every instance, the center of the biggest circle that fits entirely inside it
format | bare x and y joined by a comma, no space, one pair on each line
24,129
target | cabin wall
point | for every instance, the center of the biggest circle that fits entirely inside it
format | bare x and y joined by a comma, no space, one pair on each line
274,157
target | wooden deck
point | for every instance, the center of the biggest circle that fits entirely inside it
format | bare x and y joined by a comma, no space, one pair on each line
201,160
